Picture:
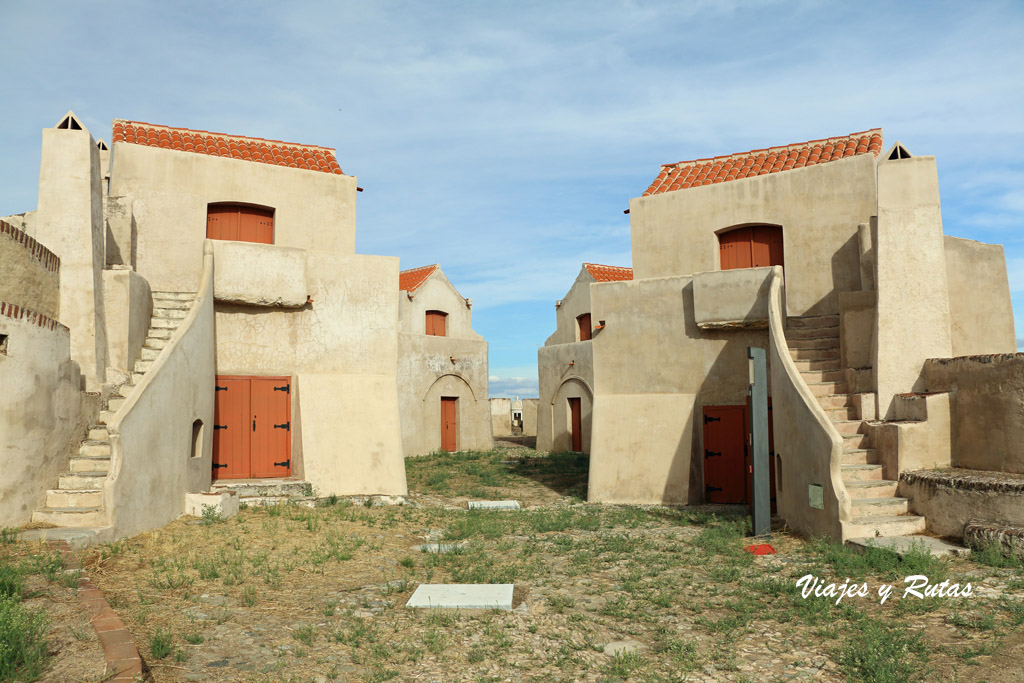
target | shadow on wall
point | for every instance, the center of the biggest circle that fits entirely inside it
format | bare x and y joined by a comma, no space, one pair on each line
725,382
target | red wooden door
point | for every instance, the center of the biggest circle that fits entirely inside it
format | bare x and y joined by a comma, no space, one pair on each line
725,449
252,427
231,435
576,424
449,423
240,223
271,436
586,331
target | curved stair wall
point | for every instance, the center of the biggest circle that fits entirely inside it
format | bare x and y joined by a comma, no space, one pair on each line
808,445
161,437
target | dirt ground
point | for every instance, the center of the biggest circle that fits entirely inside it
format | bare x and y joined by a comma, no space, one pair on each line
603,593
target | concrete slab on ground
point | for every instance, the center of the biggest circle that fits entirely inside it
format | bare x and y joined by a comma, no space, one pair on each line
76,537
901,545
493,505
440,547
463,596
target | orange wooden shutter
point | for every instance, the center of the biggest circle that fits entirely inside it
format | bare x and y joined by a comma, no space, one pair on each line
231,435
766,246
222,222
436,323
586,331
240,223
735,249
271,439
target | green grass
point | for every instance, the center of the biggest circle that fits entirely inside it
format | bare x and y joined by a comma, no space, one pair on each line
161,643
23,645
877,652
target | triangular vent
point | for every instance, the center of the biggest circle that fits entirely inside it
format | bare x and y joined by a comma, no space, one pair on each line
69,122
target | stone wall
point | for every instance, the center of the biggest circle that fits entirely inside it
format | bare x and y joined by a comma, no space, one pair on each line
31,273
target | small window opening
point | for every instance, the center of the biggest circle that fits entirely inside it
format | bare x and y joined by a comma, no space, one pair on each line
899,152
437,324
102,146
197,439
3,344
586,332
752,246
240,223
69,123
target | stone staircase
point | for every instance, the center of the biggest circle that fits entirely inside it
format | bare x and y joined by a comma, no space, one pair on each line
78,499
877,511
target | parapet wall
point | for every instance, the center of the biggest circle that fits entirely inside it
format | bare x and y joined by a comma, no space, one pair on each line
31,273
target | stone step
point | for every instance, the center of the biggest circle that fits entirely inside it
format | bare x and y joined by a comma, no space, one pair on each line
84,498
172,304
94,448
827,388
812,332
823,375
846,427
852,442
106,416
814,354
115,402
897,525
143,365
89,464
149,354
811,365
169,313
873,488
163,324
901,545
137,378
861,473
809,321
835,401
844,413
154,343
125,390
263,488
91,516
163,333
98,433
81,480
815,343
265,501
173,296
860,456
880,507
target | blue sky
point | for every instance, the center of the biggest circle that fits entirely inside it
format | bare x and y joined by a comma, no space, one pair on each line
504,140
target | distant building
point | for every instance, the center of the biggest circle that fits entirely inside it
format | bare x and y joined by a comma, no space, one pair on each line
565,366
442,367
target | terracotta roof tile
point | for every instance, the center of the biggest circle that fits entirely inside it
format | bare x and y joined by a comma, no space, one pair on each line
410,280
274,152
608,273
684,174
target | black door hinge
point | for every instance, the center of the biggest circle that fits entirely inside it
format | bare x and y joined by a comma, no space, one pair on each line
710,454
216,465
712,488
286,463
216,388
708,418
287,388
287,425
216,427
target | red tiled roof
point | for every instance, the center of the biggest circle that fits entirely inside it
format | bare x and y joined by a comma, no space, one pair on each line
684,174
608,273
410,280
272,152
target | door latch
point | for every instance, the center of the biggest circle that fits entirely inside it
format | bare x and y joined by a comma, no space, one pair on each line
286,463
287,425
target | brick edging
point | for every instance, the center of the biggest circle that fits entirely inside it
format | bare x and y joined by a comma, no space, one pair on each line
123,660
